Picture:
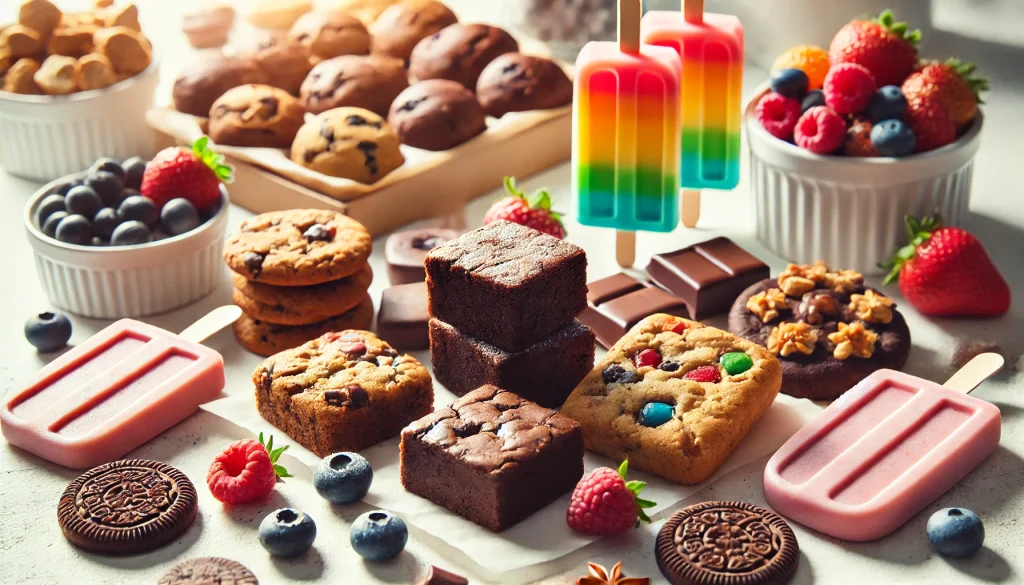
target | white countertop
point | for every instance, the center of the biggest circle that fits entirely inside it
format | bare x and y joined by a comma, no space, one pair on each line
34,550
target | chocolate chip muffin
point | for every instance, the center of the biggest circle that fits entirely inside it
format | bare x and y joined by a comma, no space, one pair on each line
515,82
371,82
202,83
460,52
399,28
352,143
256,115
330,34
436,114
284,61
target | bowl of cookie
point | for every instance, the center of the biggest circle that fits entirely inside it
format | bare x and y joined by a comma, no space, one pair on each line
73,87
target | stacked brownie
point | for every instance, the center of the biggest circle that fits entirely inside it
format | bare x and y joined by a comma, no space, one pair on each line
503,301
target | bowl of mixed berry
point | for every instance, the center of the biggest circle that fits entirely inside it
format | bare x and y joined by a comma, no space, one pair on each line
846,142
132,237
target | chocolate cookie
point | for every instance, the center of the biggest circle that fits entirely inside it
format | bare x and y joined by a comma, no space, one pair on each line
328,34
202,83
811,330
266,339
436,114
460,52
352,143
284,61
298,247
399,28
126,507
726,543
309,306
370,82
256,115
405,252
515,82
208,571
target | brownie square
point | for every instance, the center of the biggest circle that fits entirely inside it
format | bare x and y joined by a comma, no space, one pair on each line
509,285
546,372
492,457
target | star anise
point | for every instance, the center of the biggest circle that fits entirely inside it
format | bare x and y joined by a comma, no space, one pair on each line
600,576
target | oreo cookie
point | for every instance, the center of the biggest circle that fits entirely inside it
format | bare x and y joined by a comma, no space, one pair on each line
727,543
208,571
127,507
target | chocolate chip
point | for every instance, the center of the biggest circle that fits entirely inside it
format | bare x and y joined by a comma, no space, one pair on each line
629,377
668,366
270,106
253,263
612,373
427,243
411,104
267,378
355,120
309,155
369,150
390,352
510,68
336,398
327,132
357,396
318,233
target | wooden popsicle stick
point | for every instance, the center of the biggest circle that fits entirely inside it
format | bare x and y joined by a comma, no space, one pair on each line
691,207
625,248
630,12
693,11
211,323
975,372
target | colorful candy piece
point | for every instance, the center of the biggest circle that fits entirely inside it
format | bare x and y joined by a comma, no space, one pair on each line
736,362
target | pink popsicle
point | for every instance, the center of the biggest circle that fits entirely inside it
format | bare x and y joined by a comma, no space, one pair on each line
878,455
109,395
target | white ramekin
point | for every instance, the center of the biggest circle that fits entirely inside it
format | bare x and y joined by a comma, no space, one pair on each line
45,137
128,281
850,211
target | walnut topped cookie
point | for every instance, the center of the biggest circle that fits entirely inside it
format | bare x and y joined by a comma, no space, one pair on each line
828,329
675,397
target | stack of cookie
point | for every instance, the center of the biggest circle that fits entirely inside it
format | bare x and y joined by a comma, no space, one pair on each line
299,274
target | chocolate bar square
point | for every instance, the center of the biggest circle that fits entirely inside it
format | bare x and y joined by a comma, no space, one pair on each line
617,303
402,319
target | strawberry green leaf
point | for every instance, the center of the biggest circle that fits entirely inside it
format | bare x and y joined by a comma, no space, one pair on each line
276,453
623,468
642,503
280,471
261,439
513,189
642,516
900,29
539,200
635,486
920,231
270,444
200,144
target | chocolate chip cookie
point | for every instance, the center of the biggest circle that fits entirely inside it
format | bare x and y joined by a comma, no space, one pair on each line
284,61
370,82
515,82
203,82
399,28
352,143
459,52
330,34
256,115
344,391
436,114
300,305
266,339
298,247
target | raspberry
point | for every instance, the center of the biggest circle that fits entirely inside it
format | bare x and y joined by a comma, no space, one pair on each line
245,471
848,88
604,503
778,114
647,357
704,374
810,59
820,130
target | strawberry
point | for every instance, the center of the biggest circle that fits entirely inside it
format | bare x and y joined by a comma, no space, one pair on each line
604,503
533,211
246,471
193,174
886,48
932,125
945,272
952,84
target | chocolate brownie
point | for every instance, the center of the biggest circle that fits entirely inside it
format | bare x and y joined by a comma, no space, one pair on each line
436,114
344,391
492,457
508,284
545,372
459,52
370,82
203,82
406,251
402,319
515,82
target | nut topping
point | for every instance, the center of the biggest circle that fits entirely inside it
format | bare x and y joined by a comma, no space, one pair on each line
843,281
853,339
871,307
798,279
815,307
789,338
766,305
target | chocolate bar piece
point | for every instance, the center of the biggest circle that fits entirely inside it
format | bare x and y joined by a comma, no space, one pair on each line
616,303
402,319
707,276
405,252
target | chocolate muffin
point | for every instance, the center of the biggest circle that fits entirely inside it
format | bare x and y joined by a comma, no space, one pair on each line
202,83
351,143
460,52
330,34
256,115
399,28
515,82
436,114
370,82
284,61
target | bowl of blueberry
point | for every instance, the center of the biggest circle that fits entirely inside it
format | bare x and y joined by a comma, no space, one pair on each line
133,237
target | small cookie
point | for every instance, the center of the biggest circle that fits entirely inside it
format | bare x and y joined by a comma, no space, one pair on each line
204,81
298,247
330,34
285,63
127,49
208,571
370,82
326,300
209,26
277,14
126,15
727,543
41,16
256,115
94,71
515,82
436,114
56,76
72,42
352,143
402,26
266,339
460,52
20,77
5,62
20,41
127,507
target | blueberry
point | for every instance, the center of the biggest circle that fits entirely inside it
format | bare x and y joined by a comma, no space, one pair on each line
108,186
75,229
48,206
108,165
655,414
955,532
378,536
62,187
130,233
138,208
736,362
48,331
83,200
105,222
343,478
179,216
134,168
287,532
813,98
893,138
789,82
888,103
50,225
